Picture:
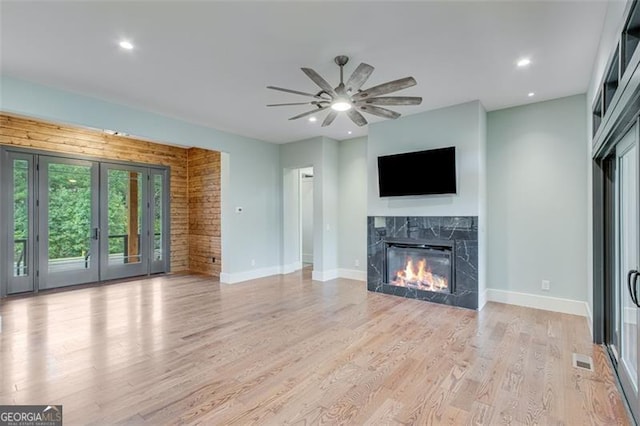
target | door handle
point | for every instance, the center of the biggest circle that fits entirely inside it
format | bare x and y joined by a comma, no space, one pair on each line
632,286
96,233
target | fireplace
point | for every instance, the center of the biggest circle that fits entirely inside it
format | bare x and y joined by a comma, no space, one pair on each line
422,265
431,258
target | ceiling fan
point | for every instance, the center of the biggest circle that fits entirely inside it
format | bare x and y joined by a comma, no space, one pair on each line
350,98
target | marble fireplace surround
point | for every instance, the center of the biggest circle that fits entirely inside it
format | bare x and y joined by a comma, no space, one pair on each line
462,231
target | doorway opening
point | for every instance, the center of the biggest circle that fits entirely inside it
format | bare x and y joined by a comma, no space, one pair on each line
300,223
306,216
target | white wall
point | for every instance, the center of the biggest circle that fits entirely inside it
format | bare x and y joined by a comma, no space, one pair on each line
537,198
322,154
253,175
329,202
306,213
352,208
482,210
457,126
291,217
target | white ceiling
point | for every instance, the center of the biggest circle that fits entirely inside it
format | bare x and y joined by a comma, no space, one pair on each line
210,62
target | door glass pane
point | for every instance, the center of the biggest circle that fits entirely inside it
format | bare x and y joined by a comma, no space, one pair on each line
125,216
157,217
628,260
69,217
20,217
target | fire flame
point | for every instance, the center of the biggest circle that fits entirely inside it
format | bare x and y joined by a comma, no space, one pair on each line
420,277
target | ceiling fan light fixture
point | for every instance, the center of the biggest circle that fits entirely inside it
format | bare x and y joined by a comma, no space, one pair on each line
341,104
349,98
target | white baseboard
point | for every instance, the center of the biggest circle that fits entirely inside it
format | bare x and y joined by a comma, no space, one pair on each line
352,274
332,274
307,258
555,304
238,277
292,267
329,275
482,299
589,319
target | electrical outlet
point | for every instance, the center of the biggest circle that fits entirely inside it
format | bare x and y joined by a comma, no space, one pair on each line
253,262
546,285
356,262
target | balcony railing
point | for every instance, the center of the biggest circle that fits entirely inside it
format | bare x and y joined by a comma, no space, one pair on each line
21,263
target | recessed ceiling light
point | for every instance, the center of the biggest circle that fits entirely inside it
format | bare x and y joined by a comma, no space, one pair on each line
349,132
312,119
530,94
524,62
126,44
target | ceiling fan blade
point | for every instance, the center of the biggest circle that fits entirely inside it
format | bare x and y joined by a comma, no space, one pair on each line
321,82
380,112
356,117
296,92
359,76
385,88
329,118
304,114
392,100
293,103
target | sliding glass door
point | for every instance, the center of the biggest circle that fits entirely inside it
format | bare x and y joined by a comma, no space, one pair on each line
72,221
626,333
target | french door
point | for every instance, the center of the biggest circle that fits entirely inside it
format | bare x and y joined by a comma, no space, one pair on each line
67,222
73,221
158,219
18,172
124,226
626,333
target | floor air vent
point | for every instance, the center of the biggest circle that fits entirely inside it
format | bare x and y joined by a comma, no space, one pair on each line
582,361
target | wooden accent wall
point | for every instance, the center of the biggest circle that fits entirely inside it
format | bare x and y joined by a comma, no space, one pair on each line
64,139
204,211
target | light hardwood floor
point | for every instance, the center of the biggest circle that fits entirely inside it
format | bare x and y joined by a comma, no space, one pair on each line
286,350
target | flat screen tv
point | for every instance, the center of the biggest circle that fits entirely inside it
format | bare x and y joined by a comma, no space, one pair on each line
418,173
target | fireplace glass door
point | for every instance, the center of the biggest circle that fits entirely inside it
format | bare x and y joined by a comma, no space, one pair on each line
419,266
